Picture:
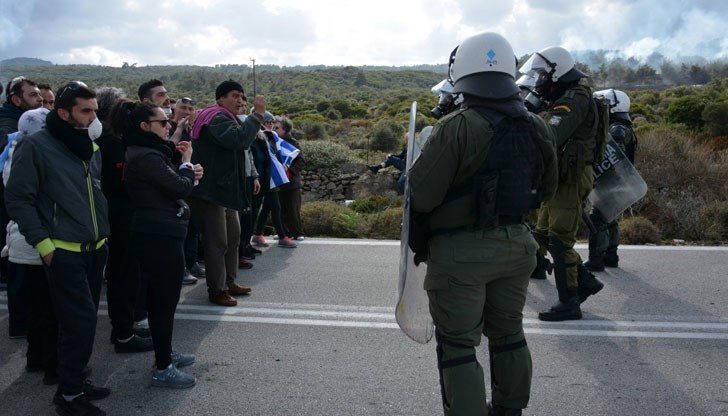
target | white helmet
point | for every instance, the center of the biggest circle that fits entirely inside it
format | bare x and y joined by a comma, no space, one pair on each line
550,64
618,100
485,66
443,87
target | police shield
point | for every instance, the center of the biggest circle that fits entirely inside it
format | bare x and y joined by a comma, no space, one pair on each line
617,184
412,311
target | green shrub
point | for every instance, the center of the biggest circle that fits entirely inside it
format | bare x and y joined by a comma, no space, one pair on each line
687,110
714,221
372,204
346,224
638,230
312,129
319,218
326,155
387,135
386,224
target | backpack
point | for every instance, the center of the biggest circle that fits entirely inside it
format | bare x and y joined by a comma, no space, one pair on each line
600,128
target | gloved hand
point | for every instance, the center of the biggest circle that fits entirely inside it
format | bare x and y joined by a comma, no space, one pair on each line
419,236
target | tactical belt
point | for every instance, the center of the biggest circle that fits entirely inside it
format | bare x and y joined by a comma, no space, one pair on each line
502,220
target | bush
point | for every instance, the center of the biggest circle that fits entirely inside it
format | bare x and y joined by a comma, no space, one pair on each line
372,204
312,128
386,224
638,230
346,224
714,221
387,135
326,155
319,218
687,110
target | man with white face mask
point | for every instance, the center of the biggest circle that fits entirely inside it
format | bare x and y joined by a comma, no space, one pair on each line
54,195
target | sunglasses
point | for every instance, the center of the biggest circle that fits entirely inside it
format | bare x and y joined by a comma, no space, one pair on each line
163,122
73,86
188,100
14,83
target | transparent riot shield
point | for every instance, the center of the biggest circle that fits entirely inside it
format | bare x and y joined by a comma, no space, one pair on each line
412,312
617,184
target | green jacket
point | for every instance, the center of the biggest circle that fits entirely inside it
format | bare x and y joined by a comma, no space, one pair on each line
571,121
220,150
453,154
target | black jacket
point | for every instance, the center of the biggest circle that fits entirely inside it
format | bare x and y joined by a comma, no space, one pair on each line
157,188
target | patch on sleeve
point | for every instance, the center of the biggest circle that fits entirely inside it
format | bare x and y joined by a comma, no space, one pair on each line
554,121
562,107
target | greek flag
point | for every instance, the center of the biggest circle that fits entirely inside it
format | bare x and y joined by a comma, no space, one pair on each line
280,160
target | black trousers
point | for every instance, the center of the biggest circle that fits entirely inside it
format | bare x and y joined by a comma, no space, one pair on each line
291,211
75,280
271,206
246,219
192,242
42,323
161,263
122,281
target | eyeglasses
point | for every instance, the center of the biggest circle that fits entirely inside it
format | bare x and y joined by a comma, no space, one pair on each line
13,83
73,86
188,100
277,128
163,122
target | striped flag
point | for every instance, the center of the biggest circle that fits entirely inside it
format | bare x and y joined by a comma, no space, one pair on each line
280,159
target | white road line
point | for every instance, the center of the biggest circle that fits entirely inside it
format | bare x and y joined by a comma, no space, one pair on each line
584,246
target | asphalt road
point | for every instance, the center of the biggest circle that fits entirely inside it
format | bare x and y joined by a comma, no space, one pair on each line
318,337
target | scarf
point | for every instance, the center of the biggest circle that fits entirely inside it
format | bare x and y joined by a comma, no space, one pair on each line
205,117
77,141
10,111
150,140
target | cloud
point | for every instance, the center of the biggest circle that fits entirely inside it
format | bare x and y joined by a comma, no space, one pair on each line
377,32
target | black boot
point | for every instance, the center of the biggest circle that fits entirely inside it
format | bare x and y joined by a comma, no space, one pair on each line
595,264
498,410
611,259
567,310
588,283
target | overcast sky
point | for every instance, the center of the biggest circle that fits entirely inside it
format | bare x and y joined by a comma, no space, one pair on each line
341,32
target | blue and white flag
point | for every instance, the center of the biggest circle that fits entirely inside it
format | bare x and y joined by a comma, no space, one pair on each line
280,160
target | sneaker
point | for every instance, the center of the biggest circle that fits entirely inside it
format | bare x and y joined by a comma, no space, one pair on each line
78,406
300,237
259,240
197,270
173,378
287,242
188,279
253,250
182,360
90,391
374,168
141,328
133,344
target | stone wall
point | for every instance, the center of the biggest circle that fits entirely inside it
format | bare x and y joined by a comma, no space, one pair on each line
350,182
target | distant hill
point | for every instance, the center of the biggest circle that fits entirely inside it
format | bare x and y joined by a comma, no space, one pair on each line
25,62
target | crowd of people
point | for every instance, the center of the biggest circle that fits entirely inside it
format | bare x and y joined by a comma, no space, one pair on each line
146,195
154,193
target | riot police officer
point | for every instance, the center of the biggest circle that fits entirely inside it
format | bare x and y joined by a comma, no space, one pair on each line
480,172
571,114
604,242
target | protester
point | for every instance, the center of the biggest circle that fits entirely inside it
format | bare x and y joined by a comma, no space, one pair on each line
159,224
54,196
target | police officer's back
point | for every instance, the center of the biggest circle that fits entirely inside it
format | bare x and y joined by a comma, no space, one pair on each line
480,172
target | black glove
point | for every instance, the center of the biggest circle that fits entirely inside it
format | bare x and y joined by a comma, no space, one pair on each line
419,236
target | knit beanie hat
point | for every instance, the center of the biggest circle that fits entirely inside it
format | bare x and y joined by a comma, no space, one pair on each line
227,86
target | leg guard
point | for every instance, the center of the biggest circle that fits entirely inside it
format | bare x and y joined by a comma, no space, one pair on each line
588,283
461,378
611,259
510,375
556,248
568,306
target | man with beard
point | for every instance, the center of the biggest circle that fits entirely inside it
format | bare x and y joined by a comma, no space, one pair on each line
55,197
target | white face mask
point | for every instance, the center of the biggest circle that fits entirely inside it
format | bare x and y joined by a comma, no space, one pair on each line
167,111
95,129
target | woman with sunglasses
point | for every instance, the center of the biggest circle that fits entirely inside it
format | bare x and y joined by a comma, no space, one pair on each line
157,190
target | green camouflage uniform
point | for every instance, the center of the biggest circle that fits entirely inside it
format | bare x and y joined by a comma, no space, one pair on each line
571,119
476,279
